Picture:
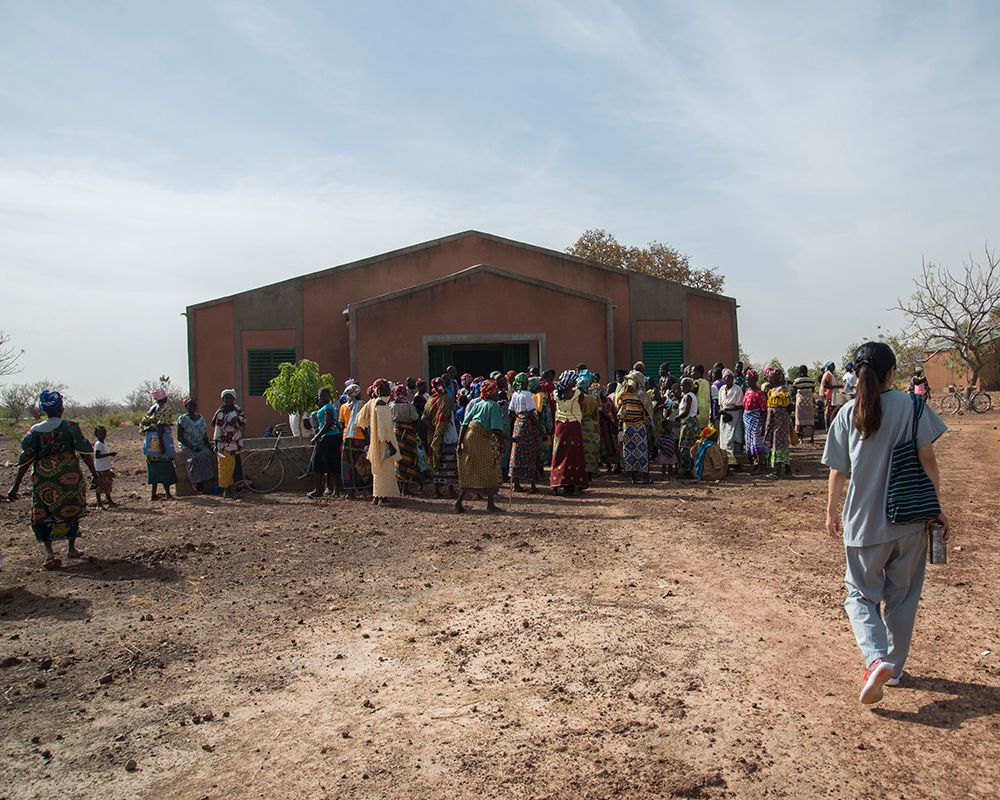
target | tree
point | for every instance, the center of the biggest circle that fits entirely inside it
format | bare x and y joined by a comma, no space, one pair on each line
957,313
16,399
9,356
293,390
656,259
141,397
909,350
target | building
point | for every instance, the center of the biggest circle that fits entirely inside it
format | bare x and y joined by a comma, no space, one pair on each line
474,300
943,369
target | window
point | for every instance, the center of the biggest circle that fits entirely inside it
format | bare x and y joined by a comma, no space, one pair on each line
655,353
262,365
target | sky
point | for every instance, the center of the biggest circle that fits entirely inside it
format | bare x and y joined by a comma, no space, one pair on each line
156,155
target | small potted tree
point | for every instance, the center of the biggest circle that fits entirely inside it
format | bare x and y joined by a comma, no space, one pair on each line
293,391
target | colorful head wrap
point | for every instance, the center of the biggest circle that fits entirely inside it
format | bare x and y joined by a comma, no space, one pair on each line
566,380
510,375
584,378
708,432
159,393
437,385
466,380
519,381
353,391
400,394
232,392
495,374
188,400
349,383
534,384
379,387
728,373
751,374
488,389
51,402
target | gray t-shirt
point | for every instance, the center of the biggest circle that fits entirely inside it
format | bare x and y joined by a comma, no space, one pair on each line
867,461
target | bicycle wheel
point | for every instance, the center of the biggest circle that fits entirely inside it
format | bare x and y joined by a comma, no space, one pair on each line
264,469
951,404
981,402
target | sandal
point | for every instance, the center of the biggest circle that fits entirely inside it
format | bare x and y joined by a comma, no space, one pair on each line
51,563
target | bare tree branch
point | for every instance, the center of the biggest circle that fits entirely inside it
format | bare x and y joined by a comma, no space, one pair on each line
9,356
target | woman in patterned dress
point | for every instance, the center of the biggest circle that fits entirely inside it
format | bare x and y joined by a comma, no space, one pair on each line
777,429
635,421
526,435
754,409
158,444
53,450
569,469
355,472
479,449
590,425
687,413
404,420
439,416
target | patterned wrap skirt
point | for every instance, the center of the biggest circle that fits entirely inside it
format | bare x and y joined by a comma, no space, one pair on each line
407,468
591,431
479,461
569,467
105,481
805,412
200,463
689,435
753,426
776,436
635,448
447,472
160,470
355,469
526,448
58,497
666,448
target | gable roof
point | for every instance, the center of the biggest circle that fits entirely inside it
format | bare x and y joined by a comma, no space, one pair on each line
433,243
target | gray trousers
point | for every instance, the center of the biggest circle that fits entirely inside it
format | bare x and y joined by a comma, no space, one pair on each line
890,574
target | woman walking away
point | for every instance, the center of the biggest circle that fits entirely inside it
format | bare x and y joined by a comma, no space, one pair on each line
526,435
569,469
885,561
404,420
590,424
754,411
158,445
778,425
688,416
731,432
635,423
439,416
192,435
480,445
325,461
355,472
383,447
229,424
805,404
53,450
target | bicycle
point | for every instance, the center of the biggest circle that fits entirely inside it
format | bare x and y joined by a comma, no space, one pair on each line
265,469
969,399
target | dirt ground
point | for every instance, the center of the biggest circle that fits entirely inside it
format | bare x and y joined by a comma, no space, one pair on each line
653,641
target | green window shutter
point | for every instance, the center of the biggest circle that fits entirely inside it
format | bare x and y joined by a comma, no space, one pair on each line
655,353
262,366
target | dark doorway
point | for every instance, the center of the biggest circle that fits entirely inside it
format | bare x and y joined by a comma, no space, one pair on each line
479,359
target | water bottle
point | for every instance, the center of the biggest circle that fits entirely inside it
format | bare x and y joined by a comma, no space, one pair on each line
937,549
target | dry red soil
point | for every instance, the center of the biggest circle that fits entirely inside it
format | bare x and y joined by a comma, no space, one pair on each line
668,640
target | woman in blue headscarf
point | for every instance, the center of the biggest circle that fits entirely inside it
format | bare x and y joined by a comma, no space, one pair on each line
53,449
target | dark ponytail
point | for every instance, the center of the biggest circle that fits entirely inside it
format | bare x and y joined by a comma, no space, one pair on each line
873,361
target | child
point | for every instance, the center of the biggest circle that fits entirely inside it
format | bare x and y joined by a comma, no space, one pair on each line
102,465
666,438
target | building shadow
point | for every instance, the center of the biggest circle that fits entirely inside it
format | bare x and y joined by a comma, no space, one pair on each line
20,603
970,700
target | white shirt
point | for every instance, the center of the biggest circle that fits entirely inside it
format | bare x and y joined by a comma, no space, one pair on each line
101,462
850,383
693,405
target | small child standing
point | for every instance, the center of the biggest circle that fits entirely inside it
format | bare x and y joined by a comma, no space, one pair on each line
102,466
666,437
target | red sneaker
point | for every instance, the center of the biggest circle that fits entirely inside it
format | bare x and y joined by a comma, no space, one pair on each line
876,675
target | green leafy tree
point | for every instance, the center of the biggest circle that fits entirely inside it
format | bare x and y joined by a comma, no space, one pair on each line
657,259
293,390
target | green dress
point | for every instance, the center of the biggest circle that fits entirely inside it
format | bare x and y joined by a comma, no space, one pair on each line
158,446
58,491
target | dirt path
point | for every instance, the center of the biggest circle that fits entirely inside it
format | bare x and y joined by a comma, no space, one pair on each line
639,641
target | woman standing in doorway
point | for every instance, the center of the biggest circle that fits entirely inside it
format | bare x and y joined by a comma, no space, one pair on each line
885,561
